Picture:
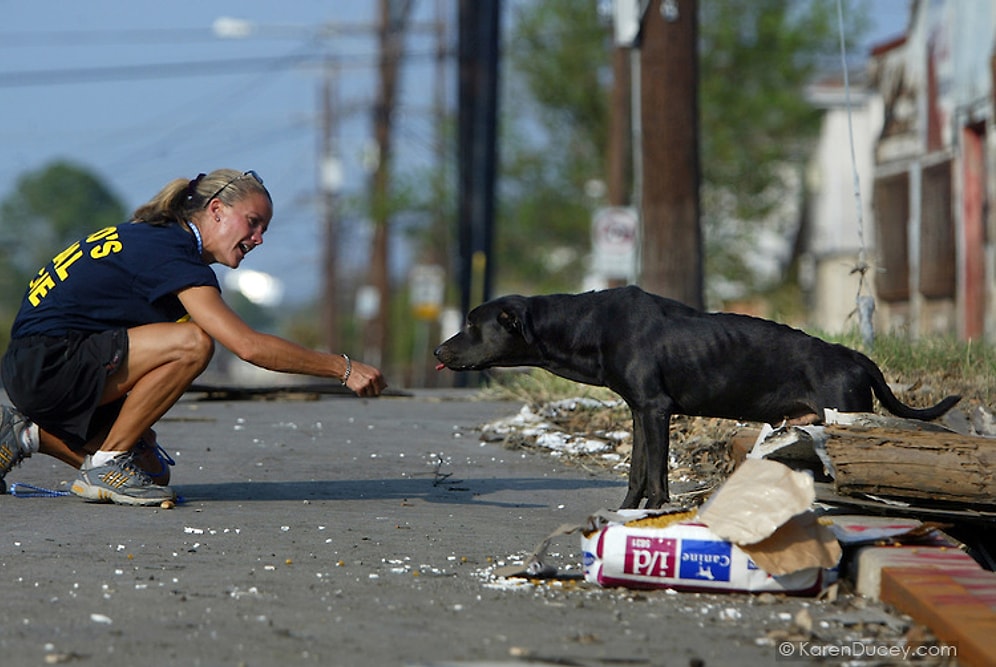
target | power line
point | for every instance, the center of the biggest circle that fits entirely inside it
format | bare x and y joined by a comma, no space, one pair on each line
105,37
238,29
151,71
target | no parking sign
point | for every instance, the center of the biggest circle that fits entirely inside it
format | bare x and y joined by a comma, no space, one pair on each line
614,232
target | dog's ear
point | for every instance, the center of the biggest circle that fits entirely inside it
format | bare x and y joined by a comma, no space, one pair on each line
514,318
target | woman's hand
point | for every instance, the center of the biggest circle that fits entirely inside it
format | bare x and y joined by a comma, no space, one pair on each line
365,380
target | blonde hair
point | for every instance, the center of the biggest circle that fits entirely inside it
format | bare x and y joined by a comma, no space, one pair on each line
180,199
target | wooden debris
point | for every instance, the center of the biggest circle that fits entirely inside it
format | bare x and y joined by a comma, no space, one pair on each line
913,464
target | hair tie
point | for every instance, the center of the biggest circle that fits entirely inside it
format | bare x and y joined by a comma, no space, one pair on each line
192,186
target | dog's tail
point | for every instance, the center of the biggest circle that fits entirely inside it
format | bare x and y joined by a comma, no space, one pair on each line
897,407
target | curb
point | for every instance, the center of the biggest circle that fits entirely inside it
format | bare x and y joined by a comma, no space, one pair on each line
958,606
870,562
941,588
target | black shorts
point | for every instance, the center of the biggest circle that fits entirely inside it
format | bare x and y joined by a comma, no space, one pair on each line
57,382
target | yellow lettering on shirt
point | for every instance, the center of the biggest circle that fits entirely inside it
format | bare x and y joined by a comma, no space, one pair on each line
65,259
105,249
106,232
61,263
111,243
39,287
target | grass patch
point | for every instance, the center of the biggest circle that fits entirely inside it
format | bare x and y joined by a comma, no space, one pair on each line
537,386
937,365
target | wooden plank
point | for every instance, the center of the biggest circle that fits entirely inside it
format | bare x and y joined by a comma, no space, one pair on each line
913,464
956,609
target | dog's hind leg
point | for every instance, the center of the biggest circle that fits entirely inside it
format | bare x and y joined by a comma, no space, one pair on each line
637,465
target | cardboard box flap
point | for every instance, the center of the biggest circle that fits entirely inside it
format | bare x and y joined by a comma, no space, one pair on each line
802,542
758,498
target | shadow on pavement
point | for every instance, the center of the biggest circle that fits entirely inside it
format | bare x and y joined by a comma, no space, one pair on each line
465,491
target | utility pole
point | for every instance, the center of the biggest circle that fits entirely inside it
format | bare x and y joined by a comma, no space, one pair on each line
619,161
672,237
479,28
441,150
393,17
329,182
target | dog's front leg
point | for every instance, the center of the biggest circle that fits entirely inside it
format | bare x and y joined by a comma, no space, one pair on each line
637,465
656,427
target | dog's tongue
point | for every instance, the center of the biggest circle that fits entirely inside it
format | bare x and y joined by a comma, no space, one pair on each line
440,367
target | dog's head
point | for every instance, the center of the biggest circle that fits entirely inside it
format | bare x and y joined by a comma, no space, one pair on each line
497,333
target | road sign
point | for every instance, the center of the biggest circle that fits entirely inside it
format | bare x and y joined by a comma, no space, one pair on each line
427,287
614,236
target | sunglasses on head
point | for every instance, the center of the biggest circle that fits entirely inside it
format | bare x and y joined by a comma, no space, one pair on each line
251,172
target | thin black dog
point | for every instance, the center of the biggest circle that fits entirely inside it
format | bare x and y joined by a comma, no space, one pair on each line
664,358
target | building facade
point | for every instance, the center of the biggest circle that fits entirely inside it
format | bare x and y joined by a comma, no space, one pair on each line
923,128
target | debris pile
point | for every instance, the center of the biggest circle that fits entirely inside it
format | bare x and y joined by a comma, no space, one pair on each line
879,465
897,507
597,433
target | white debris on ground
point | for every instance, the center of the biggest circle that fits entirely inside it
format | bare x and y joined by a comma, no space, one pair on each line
592,431
543,427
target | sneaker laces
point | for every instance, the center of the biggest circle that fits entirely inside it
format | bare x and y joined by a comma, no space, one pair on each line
127,463
165,460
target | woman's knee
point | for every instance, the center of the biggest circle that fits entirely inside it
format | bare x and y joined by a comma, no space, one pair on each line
198,346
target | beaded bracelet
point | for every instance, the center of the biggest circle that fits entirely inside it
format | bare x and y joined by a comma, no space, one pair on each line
349,369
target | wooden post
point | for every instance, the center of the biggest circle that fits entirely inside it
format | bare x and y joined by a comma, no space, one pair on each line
672,238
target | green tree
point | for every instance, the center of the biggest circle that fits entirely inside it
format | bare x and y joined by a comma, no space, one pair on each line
757,133
554,127
756,57
52,207
48,209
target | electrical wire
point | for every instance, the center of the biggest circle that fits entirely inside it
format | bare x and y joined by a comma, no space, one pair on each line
865,303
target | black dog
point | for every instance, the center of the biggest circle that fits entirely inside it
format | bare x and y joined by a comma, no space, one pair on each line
664,358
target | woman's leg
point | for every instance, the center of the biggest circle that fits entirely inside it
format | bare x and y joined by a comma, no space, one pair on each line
163,360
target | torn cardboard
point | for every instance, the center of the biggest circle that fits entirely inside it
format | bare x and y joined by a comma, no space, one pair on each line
852,530
757,498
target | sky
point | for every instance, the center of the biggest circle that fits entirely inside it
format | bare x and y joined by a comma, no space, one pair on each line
141,92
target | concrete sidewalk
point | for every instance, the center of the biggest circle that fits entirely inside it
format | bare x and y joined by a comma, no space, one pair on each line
342,531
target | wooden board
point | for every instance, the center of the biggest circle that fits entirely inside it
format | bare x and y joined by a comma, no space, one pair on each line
913,464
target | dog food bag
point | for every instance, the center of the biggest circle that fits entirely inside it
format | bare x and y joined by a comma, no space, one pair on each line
685,555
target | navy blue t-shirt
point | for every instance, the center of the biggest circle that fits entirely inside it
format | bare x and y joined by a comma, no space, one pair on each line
123,276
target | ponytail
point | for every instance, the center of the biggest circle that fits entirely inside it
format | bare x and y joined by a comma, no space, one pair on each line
169,206
180,199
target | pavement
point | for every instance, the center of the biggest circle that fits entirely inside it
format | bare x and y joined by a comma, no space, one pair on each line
341,531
